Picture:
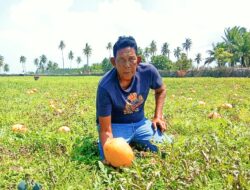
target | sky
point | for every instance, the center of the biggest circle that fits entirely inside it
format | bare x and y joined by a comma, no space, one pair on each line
35,27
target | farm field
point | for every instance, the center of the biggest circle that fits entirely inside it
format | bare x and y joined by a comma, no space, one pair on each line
209,151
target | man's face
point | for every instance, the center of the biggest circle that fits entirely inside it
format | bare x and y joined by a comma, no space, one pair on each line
126,62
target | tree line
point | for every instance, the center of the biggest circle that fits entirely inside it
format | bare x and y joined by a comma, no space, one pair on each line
233,51
3,65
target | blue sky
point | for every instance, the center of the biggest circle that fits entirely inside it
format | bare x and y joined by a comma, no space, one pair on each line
35,27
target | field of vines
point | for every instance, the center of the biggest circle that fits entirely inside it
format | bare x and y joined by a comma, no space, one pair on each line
208,118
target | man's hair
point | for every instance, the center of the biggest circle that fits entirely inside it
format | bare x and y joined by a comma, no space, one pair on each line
123,42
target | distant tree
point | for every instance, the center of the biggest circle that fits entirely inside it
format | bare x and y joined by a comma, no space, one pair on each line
55,66
49,65
42,63
198,59
140,53
22,61
109,48
237,40
52,66
106,65
165,49
183,63
6,68
87,52
36,63
153,48
71,57
146,53
78,60
1,62
86,68
96,68
61,47
1,59
222,57
212,53
187,45
161,62
177,52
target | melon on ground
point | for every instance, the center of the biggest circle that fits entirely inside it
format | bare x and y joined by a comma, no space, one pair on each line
118,152
64,129
19,128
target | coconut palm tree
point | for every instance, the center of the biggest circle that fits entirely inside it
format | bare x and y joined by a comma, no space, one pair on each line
177,52
165,49
153,48
211,53
237,41
187,45
36,63
198,59
71,57
219,54
109,48
43,60
50,65
87,52
61,47
78,60
22,61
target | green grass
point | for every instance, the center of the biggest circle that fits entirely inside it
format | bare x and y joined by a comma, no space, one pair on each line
206,153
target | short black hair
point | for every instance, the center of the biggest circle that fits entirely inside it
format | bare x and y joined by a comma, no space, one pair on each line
123,42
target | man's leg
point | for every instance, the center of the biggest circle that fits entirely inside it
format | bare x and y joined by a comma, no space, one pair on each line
119,130
147,138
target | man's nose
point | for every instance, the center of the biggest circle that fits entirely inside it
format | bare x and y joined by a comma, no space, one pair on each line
127,63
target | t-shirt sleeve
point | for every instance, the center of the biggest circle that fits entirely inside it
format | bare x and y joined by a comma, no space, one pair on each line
156,80
103,102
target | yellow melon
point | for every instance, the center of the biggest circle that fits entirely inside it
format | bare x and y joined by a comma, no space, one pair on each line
64,129
118,152
214,115
227,106
19,128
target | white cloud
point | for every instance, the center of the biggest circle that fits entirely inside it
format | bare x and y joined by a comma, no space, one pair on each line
36,27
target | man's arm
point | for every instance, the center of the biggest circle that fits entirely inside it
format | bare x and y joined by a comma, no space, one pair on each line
105,129
160,95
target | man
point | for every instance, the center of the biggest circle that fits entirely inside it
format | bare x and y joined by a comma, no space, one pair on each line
121,96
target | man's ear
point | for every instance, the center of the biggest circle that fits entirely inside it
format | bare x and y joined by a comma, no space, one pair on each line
138,59
112,60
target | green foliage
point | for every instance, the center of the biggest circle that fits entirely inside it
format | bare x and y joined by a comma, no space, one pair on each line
206,153
6,68
96,68
161,62
106,65
236,48
52,66
222,56
183,63
140,53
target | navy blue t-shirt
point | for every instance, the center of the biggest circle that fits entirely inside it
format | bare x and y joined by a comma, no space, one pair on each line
126,106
